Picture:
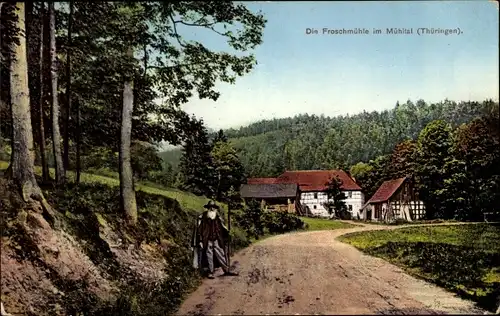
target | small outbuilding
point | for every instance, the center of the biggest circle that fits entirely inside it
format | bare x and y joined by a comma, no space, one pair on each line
394,199
272,196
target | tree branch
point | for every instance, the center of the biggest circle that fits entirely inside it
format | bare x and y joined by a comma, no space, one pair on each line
145,59
205,25
177,36
197,23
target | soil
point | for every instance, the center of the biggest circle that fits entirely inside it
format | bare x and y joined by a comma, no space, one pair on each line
313,273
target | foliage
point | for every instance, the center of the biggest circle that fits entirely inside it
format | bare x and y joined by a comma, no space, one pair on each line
228,171
145,160
196,165
434,143
251,220
461,258
336,198
268,147
282,222
257,222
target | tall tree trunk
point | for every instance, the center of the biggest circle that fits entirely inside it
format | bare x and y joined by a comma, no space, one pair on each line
56,133
78,132
127,191
23,152
68,89
41,110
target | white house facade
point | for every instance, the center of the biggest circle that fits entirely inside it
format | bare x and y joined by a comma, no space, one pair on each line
313,185
315,201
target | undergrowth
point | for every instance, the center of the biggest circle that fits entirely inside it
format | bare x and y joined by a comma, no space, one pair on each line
83,209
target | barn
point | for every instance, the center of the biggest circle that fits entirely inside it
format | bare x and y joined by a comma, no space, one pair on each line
272,196
394,199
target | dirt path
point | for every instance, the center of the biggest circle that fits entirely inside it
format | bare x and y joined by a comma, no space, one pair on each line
313,273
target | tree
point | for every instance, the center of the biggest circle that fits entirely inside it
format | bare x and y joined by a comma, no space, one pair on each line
433,150
229,172
473,172
196,164
41,100
56,134
23,151
68,88
336,198
402,162
219,137
127,190
145,160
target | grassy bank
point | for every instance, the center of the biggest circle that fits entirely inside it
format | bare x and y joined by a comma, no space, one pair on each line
324,224
185,199
464,259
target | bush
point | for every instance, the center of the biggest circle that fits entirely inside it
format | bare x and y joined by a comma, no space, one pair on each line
281,222
250,220
255,222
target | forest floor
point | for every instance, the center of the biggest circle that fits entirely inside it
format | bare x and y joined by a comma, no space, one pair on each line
314,273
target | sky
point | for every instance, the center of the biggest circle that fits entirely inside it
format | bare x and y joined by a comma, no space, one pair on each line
334,75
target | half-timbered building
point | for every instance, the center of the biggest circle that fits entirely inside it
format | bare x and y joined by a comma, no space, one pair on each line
394,199
312,187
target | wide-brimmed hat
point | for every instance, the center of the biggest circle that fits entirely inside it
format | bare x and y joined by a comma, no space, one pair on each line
211,204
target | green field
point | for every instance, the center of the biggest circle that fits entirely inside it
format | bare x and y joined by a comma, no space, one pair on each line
324,224
461,258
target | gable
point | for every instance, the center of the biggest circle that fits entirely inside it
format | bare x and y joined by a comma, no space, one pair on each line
386,190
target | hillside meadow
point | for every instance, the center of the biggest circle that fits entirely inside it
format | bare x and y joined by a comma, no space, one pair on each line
464,258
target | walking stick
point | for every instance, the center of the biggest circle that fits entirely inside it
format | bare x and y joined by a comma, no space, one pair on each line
229,236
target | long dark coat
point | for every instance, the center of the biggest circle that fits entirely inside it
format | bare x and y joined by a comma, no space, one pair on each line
199,253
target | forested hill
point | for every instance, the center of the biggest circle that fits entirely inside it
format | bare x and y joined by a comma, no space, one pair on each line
302,142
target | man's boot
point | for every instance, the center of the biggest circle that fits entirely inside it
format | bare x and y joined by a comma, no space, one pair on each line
211,276
231,273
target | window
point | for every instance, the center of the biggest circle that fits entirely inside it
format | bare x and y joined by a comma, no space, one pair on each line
315,196
314,207
350,208
350,194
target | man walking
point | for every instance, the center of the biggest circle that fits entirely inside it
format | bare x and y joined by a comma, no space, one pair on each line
209,240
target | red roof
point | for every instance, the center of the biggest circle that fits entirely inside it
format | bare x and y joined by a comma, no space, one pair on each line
316,180
386,190
262,180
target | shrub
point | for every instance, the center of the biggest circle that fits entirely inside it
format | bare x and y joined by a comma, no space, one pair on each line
250,220
254,221
281,222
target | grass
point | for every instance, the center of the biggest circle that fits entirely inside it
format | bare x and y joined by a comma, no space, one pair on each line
185,199
479,236
464,259
404,222
324,224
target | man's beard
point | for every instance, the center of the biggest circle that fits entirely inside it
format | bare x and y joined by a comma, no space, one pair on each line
211,214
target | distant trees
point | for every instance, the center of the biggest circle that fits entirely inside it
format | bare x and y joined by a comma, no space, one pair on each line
269,147
456,170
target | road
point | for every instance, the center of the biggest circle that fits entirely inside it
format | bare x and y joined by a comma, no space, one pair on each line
313,273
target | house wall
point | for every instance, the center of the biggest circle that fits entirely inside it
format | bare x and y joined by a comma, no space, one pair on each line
314,200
